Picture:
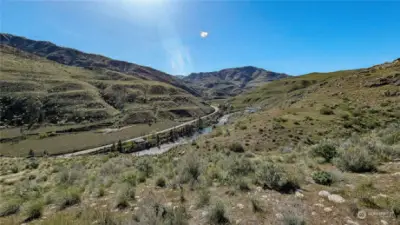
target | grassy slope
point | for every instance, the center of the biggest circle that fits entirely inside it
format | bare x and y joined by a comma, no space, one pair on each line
283,132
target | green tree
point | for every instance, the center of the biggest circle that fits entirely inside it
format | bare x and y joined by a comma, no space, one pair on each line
120,148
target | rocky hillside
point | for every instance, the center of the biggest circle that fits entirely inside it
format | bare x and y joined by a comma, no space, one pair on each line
73,57
35,89
230,82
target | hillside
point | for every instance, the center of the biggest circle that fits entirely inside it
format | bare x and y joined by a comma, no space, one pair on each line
73,57
230,82
32,86
322,148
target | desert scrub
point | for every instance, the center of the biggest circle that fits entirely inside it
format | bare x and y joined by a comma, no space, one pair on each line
160,182
129,178
191,169
322,177
10,206
272,176
125,193
256,205
216,215
236,147
356,159
326,111
240,166
324,149
203,198
33,210
144,166
65,198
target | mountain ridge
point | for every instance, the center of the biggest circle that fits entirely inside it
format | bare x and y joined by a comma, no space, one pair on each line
231,81
73,57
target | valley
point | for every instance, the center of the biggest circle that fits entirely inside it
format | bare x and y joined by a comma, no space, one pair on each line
320,148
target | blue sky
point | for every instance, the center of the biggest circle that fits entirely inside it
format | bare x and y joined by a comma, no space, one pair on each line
293,37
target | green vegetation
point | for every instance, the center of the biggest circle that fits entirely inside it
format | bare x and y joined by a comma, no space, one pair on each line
322,177
217,214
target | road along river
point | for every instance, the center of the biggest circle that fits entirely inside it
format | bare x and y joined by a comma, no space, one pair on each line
100,148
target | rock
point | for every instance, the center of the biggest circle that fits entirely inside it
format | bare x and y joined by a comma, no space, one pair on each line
328,209
336,198
319,205
264,196
259,189
136,208
324,193
313,213
351,222
191,207
238,221
240,206
298,195
279,216
396,174
204,213
383,222
169,204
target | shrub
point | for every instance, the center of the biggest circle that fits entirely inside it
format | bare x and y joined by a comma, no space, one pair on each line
67,197
141,177
322,177
33,164
129,178
33,210
392,138
236,147
217,215
356,159
124,195
10,207
325,150
274,177
240,167
243,185
396,208
326,111
256,205
204,198
144,166
293,215
160,182
191,169
68,176
14,169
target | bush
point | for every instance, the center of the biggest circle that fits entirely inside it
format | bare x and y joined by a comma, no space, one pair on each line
217,215
160,182
191,169
273,177
256,205
356,160
141,177
129,178
33,164
322,177
236,147
243,185
326,111
68,176
240,167
10,207
33,210
325,150
67,197
204,198
124,195
144,166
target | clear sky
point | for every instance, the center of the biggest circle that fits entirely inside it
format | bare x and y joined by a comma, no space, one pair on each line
292,37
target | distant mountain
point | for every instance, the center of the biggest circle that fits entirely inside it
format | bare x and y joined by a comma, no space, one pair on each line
230,82
73,57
